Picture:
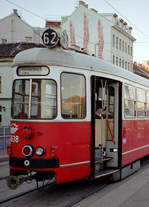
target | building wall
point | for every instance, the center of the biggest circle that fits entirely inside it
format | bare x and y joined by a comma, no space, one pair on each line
94,32
90,31
6,74
122,50
14,29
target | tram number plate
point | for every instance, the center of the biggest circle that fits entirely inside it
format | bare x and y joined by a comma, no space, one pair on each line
50,38
14,139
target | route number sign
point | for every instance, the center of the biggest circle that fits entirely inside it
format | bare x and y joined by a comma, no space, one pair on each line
50,38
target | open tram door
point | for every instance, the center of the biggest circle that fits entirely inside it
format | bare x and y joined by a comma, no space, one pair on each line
106,126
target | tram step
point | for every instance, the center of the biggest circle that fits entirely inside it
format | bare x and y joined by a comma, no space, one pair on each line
105,173
104,159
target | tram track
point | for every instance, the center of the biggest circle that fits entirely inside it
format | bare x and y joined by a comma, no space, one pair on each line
18,195
10,198
3,178
73,202
77,201
4,170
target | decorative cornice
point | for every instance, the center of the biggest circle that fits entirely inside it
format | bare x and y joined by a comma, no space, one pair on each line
124,32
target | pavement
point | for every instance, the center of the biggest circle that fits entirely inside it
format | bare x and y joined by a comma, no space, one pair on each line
4,158
130,192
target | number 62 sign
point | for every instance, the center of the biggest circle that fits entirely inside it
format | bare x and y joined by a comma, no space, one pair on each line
50,38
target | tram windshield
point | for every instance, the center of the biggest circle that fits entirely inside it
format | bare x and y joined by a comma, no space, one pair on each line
34,99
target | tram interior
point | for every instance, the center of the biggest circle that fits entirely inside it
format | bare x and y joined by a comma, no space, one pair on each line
105,118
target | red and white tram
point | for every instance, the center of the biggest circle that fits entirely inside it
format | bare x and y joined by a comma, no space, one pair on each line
75,116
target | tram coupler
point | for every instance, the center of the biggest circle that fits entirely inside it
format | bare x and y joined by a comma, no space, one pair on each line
15,181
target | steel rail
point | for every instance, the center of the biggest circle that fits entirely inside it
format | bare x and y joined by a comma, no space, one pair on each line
10,198
77,201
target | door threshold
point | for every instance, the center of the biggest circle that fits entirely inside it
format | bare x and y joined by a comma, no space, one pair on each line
105,173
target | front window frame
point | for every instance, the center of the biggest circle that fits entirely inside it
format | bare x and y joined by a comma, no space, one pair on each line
29,116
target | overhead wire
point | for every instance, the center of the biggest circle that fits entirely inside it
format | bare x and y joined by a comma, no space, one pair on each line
136,27
34,14
116,10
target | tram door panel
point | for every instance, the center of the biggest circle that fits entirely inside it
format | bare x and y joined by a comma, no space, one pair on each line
106,99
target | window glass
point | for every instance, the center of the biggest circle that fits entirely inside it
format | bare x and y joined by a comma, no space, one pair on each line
73,98
140,95
116,42
129,92
147,110
147,97
39,102
117,61
129,108
120,44
21,98
123,46
140,107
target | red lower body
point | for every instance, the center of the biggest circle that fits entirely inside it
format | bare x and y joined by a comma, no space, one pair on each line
135,140
67,142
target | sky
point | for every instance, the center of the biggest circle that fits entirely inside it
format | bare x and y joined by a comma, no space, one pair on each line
134,12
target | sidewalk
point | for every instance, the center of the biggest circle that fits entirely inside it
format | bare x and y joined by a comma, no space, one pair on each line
4,158
133,191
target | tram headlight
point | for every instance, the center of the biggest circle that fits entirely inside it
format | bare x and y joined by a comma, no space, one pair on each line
39,151
27,150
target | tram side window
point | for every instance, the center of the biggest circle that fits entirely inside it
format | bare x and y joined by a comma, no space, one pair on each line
140,104
147,104
73,99
129,101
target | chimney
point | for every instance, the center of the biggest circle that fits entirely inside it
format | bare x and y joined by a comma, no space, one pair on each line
15,11
83,4
53,23
115,15
94,10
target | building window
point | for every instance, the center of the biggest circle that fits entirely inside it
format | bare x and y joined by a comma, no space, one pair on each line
128,50
113,40
125,64
116,42
128,66
131,51
120,42
113,59
120,62
4,41
28,39
132,67
123,46
117,61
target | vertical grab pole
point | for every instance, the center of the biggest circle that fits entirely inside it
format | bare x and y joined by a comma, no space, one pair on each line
93,109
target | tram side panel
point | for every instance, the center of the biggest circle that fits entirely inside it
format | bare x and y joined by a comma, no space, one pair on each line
135,140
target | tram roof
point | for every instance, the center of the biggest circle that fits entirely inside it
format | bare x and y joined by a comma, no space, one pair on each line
68,58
